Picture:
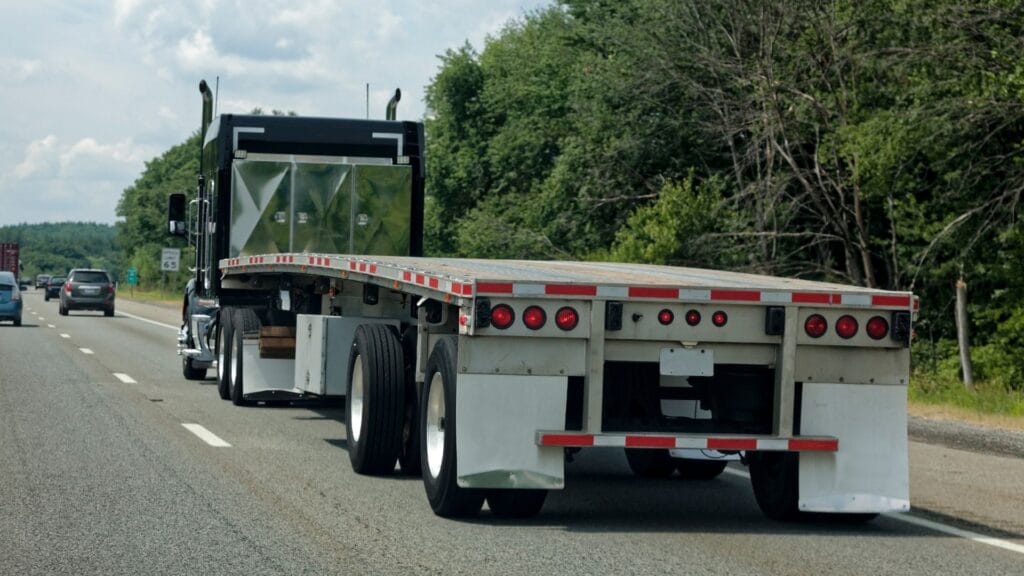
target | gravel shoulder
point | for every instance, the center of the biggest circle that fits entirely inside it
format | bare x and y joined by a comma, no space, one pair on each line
965,436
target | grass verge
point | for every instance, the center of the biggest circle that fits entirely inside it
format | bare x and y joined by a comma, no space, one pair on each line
935,395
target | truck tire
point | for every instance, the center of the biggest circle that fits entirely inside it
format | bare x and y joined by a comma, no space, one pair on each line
510,503
190,372
245,321
409,458
437,436
225,343
700,469
375,400
650,462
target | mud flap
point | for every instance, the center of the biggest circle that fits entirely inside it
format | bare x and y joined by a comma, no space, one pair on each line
498,419
870,471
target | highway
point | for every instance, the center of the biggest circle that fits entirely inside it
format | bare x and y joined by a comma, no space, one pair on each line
112,463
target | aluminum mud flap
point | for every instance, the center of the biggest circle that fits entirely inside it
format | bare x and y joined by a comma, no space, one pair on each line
498,419
869,472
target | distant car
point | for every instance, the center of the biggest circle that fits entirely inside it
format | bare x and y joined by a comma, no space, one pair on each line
10,298
87,289
53,286
41,280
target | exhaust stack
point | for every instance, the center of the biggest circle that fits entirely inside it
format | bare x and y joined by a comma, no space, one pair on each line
393,105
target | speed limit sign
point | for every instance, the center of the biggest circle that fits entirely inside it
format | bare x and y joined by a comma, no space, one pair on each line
169,258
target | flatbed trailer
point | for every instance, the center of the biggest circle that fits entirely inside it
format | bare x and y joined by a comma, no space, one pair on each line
485,376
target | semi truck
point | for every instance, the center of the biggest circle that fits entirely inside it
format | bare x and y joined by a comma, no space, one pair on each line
485,376
10,260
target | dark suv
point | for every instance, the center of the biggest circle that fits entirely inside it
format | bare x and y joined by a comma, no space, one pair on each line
53,286
87,290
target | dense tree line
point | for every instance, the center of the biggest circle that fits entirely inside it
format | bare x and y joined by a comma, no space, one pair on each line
56,248
874,142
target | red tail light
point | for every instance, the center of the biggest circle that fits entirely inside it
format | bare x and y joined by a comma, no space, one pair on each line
534,317
693,317
877,328
666,317
815,325
502,316
566,318
719,318
846,327
110,287
67,288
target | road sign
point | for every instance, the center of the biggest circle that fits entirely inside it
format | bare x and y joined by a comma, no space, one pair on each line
169,258
133,276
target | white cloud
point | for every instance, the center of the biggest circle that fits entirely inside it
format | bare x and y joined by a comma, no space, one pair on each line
18,69
39,156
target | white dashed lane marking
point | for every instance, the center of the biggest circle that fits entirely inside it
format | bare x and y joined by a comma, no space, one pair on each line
206,436
125,378
50,326
65,335
85,351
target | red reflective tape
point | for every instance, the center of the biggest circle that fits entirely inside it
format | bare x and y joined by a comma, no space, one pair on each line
351,265
917,303
312,260
643,292
467,289
433,283
732,444
327,261
811,298
362,266
420,279
901,301
837,299
736,295
456,288
494,288
566,440
831,445
570,290
291,259
650,442
373,268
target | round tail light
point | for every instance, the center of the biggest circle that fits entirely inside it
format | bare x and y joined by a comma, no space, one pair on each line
534,317
846,327
502,316
877,328
693,317
566,318
665,317
719,318
815,325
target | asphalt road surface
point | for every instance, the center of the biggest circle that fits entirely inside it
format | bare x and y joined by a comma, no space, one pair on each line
100,475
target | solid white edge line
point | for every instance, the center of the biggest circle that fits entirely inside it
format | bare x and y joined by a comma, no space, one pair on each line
932,525
124,378
86,351
206,436
147,320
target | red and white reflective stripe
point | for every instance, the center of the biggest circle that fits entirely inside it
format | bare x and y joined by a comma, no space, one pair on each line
804,444
469,288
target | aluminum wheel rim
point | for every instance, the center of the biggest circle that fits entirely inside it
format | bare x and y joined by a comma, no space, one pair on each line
435,425
220,354
355,403
236,359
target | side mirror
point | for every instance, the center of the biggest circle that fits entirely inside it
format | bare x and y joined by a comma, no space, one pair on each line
176,214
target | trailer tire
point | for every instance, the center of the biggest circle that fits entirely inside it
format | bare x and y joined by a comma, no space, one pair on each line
245,321
225,342
650,462
375,400
700,469
438,422
512,503
774,477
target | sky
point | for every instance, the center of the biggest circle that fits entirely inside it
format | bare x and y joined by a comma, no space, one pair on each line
91,90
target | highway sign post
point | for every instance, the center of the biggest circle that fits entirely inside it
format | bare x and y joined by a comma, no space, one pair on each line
133,279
